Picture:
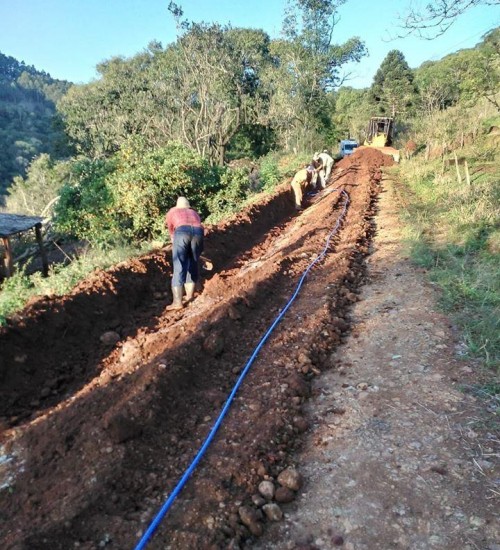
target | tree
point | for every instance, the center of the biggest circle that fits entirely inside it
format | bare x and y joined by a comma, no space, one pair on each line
199,90
352,112
465,76
101,115
36,194
216,72
393,90
484,69
438,85
216,85
28,120
436,18
307,66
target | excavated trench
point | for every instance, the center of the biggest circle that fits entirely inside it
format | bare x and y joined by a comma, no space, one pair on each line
95,436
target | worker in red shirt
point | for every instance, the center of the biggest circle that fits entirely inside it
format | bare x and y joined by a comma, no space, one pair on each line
186,232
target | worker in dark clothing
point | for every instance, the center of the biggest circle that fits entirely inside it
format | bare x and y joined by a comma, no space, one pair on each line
186,232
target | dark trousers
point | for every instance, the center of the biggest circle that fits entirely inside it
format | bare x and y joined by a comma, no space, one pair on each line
186,250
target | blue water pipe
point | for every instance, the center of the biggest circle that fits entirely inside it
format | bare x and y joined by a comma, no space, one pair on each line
168,503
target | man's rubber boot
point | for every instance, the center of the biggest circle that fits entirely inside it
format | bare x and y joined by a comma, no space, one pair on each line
177,292
189,288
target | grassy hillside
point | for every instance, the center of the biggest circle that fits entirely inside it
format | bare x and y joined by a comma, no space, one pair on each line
450,207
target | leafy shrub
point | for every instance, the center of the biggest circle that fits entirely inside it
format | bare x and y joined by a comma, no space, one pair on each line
235,188
126,198
251,141
274,167
15,292
146,185
290,163
269,171
86,208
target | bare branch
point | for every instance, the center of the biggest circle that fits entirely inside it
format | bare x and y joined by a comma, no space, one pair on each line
436,18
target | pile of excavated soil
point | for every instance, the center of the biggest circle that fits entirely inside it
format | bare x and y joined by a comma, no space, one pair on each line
105,397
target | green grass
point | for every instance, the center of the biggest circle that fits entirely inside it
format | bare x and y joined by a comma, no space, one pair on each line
17,290
453,230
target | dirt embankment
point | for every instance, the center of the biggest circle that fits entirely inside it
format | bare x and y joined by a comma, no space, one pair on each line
95,435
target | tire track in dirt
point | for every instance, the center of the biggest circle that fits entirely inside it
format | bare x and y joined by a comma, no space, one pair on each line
93,468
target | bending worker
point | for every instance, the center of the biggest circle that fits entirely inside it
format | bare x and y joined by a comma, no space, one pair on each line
300,182
186,232
326,166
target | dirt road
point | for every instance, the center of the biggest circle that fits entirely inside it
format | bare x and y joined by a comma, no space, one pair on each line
403,446
105,397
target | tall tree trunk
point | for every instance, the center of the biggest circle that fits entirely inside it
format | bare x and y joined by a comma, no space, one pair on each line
222,151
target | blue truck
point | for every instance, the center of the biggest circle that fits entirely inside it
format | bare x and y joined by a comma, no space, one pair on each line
347,147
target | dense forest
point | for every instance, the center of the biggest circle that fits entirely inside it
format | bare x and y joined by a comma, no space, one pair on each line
29,124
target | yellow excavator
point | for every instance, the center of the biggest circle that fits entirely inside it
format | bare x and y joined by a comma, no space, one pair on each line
379,131
379,135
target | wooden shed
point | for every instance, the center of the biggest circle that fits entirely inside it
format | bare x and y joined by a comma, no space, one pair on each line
12,224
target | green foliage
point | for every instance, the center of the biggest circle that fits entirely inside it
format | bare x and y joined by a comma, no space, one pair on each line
251,141
14,293
393,90
146,184
235,189
28,120
225,92
126,197
36,194
307,67
352,113
199,90
465,76
288,164
274,167
18,289
86,208
99,117
269,172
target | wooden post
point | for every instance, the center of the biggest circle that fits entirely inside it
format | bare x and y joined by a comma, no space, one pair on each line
459,177
43,255
9,264
467,175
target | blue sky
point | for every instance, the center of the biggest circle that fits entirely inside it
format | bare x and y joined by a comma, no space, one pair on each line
67,38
